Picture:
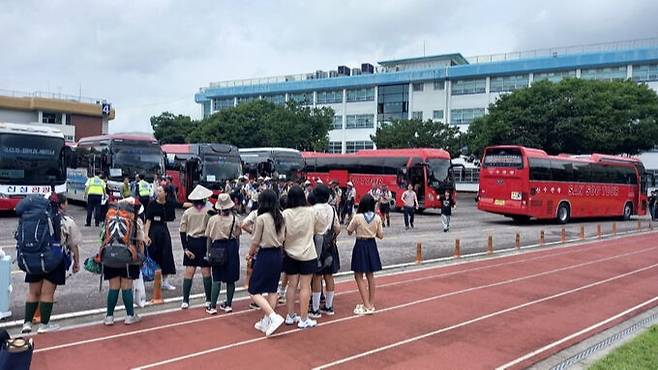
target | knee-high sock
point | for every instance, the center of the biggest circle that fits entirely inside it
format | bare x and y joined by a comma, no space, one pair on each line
127,295
187,287
46,310
316,301
330,298
112,298
216,286
207,287
30,309
230,291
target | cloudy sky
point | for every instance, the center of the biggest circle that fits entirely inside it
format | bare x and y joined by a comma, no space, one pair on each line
150,56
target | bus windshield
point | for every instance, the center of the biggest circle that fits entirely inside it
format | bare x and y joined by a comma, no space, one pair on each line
137,158
220,168
31,159
438,173
289,165
503,157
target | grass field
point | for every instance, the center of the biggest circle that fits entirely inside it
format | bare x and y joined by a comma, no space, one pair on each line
640,353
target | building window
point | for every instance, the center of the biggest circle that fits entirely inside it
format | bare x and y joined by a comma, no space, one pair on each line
417,116
335,147
305,98
418,86
365,94
330,97
353,146
246,99
360,121
646,72
465,87
223,103
51,118
392,102
508,83
278,99
554,76
338,122
437,114
68,119
439,85
606,74
465,116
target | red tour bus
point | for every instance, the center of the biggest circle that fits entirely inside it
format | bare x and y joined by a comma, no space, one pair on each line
207,164
429,170
524,183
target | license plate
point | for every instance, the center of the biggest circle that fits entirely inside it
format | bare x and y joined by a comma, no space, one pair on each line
499,202
516,195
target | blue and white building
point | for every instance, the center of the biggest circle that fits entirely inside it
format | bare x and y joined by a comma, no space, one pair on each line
448,88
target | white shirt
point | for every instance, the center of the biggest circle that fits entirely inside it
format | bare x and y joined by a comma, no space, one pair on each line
324,212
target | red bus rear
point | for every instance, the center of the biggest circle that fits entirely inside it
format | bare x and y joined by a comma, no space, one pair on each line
525,183
428,170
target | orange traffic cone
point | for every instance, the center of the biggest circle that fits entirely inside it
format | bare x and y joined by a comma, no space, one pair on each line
157,288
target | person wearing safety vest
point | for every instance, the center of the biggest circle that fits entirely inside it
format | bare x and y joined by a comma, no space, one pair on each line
143,191
94,191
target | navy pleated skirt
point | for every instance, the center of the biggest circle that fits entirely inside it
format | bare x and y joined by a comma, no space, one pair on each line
230,272
365,257
267,271
199,248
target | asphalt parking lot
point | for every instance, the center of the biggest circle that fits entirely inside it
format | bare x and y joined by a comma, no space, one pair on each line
471,226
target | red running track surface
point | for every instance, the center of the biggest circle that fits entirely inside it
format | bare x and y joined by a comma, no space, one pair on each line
509,311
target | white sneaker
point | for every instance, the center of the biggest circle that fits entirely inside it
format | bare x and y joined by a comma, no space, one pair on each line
27,327
47,328
226,308
167,286
308,323
109,321
184,306
207,305
261,325
292,318
132,319
275,323
211,311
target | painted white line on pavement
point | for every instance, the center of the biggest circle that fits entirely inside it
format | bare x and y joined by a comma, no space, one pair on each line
424,300
484,317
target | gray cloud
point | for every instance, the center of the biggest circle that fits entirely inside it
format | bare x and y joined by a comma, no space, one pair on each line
148,56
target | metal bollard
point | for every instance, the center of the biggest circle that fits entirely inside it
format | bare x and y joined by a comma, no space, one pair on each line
582,232
650,225
639,225
458,249
614,228
490,245
419,252
541,237
563,235
598,231
517,241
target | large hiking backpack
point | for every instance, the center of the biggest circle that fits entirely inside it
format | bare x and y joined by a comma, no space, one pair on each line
38,236
118,248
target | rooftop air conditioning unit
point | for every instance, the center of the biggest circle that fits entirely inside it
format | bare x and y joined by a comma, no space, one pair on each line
320,74
356,71
343,71
333,73
367,68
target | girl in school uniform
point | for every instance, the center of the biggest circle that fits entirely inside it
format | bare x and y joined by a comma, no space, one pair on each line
158,238
365,258
300,260
223,231
267,239
193,239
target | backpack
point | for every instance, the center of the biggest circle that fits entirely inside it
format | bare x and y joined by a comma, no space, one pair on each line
38,236
118,248
325,244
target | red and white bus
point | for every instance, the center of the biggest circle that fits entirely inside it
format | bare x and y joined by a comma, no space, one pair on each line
430,171
32,161
207,164
524,183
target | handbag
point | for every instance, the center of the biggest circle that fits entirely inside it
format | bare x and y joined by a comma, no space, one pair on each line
16,354
93,265
148,268
217,255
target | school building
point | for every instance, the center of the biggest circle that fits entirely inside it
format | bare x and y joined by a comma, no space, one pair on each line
449,87
75,116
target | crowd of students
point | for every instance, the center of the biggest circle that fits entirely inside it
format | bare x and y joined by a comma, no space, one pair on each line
292,255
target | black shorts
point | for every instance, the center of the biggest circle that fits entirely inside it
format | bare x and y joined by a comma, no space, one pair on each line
57,276
292,266
385,207
131,272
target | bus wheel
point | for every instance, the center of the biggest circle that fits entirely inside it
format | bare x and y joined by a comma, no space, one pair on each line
628,211
563,213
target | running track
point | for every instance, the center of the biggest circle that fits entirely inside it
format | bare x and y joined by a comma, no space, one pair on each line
506,312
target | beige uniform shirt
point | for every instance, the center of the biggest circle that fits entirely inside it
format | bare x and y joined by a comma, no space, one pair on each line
219,227
324,212
250,219
194,221
70,235
265,233
366,230
301,224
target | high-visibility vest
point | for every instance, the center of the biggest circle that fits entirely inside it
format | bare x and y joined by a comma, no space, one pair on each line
95,186
144,188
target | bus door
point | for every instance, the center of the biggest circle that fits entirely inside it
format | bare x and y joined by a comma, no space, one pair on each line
192,174
417,176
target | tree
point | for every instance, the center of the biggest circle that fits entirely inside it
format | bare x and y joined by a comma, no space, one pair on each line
260,123
573,116
418,134
171,129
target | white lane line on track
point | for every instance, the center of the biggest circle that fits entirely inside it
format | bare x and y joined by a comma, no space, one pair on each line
484,317
404,305
576,334
166,326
